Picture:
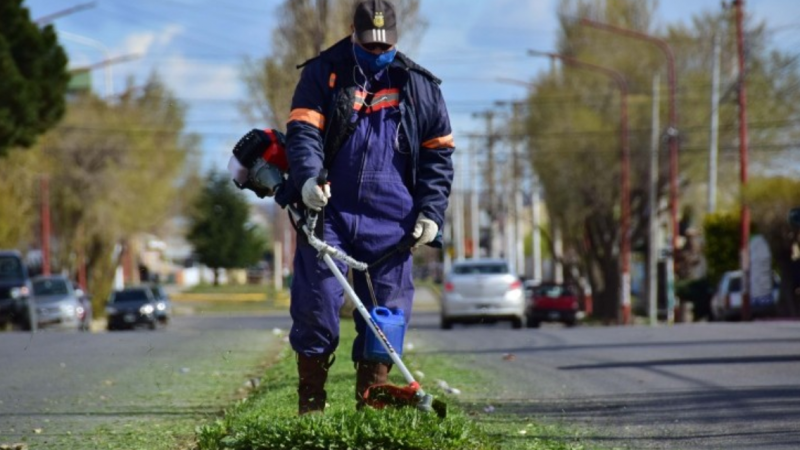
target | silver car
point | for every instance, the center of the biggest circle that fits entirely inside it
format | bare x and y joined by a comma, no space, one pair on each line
482,290
57,304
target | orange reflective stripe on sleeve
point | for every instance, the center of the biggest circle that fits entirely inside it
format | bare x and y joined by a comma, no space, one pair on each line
309,116
440,142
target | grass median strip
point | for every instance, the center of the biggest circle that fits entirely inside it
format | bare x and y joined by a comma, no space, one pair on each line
268,419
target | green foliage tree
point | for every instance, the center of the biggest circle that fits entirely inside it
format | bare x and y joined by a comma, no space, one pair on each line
33,70
307,27
115,170
19,195
220,230
722,235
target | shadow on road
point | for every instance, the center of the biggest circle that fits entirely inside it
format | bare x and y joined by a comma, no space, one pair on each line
676,420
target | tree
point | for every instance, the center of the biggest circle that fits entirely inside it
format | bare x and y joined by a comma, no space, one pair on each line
115,169
219,227
573,124
33,70
722,235
19,195
307,27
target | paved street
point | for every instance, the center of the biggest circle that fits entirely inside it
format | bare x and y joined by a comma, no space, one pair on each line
693,387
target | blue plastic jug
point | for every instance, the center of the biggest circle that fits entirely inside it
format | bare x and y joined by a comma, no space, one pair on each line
393,324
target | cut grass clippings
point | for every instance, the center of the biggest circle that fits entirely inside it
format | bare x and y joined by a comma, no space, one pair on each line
268,419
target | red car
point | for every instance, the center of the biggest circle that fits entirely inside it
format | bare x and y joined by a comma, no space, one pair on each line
552,302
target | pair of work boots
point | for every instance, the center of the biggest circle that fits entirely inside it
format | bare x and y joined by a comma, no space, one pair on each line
313,373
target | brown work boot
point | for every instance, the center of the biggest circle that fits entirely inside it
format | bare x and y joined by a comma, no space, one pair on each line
312,374
369,374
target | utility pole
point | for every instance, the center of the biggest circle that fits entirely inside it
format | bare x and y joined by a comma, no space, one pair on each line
491,207
457,219
713,141
743,150
536,239
44,188
475,211
652,219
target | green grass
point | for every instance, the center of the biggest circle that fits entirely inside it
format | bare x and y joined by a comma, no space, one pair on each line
268,419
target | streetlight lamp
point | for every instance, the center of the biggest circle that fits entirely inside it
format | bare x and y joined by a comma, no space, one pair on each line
672,131
625,200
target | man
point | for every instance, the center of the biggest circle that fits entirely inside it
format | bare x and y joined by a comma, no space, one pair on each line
377,121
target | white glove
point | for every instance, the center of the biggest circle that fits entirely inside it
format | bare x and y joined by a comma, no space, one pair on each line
424,231
314,196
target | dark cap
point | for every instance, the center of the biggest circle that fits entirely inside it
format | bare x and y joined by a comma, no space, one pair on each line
375,21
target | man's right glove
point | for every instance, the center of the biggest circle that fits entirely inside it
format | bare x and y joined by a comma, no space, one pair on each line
425,231
314,196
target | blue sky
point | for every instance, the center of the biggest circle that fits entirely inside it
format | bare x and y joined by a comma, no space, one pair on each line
198,46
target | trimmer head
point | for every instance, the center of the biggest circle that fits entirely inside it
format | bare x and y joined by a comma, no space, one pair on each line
381,395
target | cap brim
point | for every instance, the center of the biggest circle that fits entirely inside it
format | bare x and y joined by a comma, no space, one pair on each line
377,36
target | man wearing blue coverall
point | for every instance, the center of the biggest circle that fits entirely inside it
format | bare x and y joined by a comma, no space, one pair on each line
377,121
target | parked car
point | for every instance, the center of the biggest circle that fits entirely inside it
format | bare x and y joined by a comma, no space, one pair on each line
57,304
553,302
15,290
163,303
131,307
726,304
482,290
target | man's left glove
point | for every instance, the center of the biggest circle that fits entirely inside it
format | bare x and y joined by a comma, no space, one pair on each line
425,231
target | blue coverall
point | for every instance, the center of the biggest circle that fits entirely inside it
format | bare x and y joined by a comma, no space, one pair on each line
396,164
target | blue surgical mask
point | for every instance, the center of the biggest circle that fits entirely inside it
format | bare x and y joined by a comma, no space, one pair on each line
372,62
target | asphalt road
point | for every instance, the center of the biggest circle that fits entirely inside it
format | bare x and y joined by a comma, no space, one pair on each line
692,386
57,386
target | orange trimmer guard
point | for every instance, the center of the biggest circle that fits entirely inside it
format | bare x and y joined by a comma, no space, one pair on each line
381,395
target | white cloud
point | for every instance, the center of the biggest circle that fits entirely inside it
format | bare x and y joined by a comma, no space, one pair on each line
141,43
198,79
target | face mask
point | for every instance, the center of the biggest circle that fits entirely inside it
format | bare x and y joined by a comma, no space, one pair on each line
374,63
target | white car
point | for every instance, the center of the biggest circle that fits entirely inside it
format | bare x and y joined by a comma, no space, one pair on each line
726,303
482,290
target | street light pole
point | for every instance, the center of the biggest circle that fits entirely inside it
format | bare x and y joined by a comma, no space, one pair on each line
46,20
625,200
109,81
672,131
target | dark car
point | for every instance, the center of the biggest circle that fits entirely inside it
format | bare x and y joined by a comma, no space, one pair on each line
131,307
15,290
163,303
553,302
